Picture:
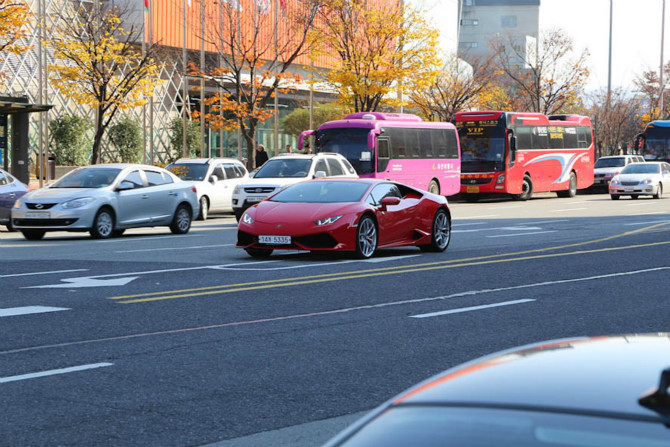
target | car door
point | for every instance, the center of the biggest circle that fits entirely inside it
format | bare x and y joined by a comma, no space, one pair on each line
665,176
233,178
132,201
335,168
7,197
162,196
218,189
391,220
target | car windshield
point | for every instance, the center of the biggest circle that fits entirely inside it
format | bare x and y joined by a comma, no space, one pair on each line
88,178
615,162
446,426
322,192
287,167
642,168
189,171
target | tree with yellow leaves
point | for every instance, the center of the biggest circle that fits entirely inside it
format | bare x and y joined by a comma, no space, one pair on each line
381,49
546,78
14,16
100,64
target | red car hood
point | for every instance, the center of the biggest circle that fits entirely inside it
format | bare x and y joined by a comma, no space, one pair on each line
274,212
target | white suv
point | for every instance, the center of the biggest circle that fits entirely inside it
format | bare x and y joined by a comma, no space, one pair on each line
214,179
285,170
607,167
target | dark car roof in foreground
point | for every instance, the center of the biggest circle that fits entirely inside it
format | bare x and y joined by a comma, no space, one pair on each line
604,375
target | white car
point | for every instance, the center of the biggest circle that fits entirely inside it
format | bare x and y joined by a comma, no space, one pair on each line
638,179
214,178
607,167
287,169
106,200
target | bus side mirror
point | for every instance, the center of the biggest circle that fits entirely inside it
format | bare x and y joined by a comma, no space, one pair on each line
301,138
512,148
372,137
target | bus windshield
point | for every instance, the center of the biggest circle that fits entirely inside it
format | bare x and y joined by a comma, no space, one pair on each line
350,142
657,143
482,146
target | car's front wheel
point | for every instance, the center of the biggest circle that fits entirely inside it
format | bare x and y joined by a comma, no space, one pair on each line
33,235
181,222
441,235
204,208
366,238
659,192
103,224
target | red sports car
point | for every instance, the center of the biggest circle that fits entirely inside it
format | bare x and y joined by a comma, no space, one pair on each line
358,215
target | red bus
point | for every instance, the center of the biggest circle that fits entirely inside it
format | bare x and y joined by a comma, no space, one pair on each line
522,153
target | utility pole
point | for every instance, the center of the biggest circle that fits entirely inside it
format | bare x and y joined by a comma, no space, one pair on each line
660,96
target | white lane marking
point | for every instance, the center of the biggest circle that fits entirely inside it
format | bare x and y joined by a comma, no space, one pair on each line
517,228
506,207
26,310
53,372
468,309
75,283
44,273
522,234
468,224
142,238
483,216
642,203
334,311
567,209
648,223
390,258
318,264
544,222
175,248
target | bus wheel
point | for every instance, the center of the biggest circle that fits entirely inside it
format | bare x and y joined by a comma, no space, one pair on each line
526,189
572,188
433,187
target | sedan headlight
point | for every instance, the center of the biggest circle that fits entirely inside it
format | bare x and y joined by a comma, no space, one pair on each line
246,218
77,203
237,189
647,181
615,181
327,220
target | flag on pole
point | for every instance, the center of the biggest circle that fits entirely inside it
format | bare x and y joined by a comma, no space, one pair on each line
146,5
235,4
189,3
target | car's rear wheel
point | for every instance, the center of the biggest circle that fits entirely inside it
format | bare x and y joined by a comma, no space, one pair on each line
434,187
103,224
441,235
659,192
259,252
614,196
181,222
33,235
366,238
204,208
572,188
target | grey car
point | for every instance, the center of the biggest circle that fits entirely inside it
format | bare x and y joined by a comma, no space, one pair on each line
10,191
107,199
603,391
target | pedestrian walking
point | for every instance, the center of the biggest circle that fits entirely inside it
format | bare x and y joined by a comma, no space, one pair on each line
261,156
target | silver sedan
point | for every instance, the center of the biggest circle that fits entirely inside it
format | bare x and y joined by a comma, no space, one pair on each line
106,200
638,179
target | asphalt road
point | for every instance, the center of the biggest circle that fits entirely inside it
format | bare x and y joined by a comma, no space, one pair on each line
159,340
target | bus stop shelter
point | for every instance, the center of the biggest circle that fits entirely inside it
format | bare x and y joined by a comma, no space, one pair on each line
15,115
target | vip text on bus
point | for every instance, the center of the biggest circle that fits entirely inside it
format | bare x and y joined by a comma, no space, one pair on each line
522,153
654,142
395,146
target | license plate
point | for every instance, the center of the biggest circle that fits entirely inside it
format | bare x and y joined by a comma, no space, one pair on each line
37,215
255,199
275,240
472,189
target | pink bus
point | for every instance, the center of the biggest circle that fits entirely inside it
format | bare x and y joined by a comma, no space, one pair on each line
397,147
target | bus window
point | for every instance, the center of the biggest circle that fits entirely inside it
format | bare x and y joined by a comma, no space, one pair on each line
413,143
556,138
452,144
582,141
540,137
524,137
426,144
570,138
384,153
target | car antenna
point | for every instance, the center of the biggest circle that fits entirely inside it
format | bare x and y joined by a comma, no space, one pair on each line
658,400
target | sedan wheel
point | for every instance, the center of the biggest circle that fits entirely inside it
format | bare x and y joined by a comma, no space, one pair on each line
103,224
659,192
366,238
181,222
441,233
204,208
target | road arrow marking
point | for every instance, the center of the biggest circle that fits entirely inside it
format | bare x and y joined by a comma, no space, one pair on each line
14,311
71,283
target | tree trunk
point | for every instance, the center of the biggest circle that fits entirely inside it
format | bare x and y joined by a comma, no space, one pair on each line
97,140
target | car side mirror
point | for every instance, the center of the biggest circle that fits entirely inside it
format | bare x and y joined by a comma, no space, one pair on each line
319,174
124,186
213,179
390,201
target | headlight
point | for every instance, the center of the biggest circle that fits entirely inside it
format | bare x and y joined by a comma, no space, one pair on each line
615,181
647,181
501,179
246,218
237,189
327,220
18,204
77,203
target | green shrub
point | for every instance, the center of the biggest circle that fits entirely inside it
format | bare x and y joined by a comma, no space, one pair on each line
176,139
126,136
70,142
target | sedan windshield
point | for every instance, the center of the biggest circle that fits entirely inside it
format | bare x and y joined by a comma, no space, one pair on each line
322,192
287,167
88,178
615,162
642,168
189,171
